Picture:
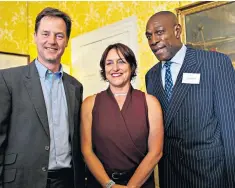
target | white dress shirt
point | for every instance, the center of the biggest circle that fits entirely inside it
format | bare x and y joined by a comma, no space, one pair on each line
177,62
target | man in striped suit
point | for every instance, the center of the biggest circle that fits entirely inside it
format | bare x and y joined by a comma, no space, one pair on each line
196,89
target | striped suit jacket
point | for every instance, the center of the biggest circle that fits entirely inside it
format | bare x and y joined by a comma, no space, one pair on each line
199,123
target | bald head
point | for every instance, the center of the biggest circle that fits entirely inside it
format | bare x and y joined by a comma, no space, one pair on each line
163,34
168,16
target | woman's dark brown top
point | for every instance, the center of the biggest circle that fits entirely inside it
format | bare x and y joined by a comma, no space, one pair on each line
120,137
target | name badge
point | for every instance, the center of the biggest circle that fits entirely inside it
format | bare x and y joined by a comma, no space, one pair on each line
191,78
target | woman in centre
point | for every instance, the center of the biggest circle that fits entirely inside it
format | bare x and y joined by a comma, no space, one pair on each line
122,128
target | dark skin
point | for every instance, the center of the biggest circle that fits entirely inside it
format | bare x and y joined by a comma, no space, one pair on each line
163,34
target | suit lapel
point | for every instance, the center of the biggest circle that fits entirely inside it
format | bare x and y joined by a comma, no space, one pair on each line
158,89
70,97
33,85
190,65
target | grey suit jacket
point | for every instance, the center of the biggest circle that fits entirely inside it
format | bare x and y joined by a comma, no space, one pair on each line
199,123
24,129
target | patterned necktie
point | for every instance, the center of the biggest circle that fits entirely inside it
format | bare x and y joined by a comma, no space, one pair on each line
168,80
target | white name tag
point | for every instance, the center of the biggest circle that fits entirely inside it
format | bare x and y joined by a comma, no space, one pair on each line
191,78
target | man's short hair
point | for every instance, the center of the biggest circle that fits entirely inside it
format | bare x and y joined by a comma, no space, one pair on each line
53,12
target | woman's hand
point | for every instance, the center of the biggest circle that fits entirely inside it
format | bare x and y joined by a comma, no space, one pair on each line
122,186
119,186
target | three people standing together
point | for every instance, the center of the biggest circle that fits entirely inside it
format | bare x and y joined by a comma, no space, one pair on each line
190,100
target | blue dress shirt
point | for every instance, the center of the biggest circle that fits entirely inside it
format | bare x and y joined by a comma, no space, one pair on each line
57,113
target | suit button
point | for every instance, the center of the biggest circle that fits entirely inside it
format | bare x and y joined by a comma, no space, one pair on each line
47,148
44,169
186,120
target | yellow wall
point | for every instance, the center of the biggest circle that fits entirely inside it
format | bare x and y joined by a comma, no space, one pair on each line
17,24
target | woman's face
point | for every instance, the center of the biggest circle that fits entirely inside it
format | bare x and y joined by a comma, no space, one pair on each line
117,69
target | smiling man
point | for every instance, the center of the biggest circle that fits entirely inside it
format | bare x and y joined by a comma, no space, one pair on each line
196,89
40,114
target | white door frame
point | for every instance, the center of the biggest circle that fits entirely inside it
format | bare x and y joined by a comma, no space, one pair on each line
126,25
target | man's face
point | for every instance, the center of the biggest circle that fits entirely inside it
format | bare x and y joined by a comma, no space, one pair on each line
51,39
163,37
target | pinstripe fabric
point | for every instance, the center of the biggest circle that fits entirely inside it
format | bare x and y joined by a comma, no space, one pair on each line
199,123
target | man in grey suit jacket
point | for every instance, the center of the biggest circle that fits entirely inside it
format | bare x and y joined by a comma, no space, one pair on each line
199,112
40,114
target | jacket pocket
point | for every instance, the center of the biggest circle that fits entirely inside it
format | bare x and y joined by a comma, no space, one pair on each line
9,175
10,158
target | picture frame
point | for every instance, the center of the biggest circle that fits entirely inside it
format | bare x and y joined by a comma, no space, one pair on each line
209,25
9,60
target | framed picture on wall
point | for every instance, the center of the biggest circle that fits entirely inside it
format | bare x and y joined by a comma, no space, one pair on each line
210,26
8,60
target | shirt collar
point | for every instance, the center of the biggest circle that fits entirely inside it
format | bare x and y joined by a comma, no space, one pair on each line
44,72
179,56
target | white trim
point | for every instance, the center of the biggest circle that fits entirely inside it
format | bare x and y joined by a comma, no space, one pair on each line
125,25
